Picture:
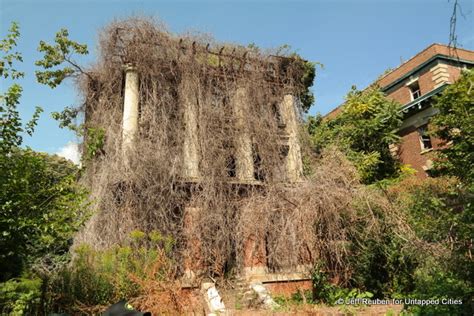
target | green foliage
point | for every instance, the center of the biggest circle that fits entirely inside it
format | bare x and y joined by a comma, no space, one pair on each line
432,260
321,287
455,124
94,142
66,119
440,211
364,130
298,298
41,206
55,56
308,70
441,214
20,296
327,293
58,65
302,296
11,125
384,266
434,280
40,203
6,46
103,277
306,96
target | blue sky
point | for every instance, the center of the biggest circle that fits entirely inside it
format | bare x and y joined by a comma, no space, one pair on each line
355,40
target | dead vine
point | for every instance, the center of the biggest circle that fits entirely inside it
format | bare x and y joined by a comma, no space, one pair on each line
300,223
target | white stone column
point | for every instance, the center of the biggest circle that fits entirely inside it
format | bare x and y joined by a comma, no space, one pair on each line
244,155
188,100
130,108
294,164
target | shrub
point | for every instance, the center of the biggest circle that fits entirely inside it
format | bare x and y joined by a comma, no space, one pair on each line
440,212
328,293
95,278
364,130
435,280
41,207
20,296
455,125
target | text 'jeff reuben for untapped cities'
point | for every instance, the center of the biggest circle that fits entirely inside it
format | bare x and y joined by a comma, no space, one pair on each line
395,301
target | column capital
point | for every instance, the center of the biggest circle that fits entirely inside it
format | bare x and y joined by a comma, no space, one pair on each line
129,67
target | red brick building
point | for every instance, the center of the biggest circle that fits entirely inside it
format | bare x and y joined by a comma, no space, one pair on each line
413,84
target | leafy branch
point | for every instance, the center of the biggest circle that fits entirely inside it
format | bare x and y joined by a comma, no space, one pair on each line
55,55
55,72
6,46
11,125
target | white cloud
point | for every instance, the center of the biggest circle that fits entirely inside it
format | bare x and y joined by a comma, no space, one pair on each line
70,151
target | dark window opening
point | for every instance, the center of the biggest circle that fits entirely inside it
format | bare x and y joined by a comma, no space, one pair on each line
415,90
277,114
258,172
284,150
122,87
425,139
141,101
231,167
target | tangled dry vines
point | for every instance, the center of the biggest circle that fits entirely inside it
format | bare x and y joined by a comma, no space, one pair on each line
286,224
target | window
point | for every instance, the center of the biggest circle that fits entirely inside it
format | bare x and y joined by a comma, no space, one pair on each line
284,150
231,166
231,161
425,140
258,173
414,90
278,117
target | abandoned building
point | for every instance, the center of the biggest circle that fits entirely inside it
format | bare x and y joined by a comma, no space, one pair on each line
201,144
414,84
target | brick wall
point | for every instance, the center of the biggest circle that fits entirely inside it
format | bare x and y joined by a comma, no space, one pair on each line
422,57
431,76
429,79
400,92
286,289
410,151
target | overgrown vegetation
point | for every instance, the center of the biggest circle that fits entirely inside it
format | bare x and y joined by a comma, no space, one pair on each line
41,203
42,207
328,293
442,210
141,270
364,130
153,193
11,127
436,261
405,238
455,125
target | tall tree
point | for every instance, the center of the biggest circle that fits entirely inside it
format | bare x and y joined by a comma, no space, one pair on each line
11,127
364,130
41,205
455,124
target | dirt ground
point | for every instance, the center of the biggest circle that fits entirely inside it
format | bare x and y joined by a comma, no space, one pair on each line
235,306
309,309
